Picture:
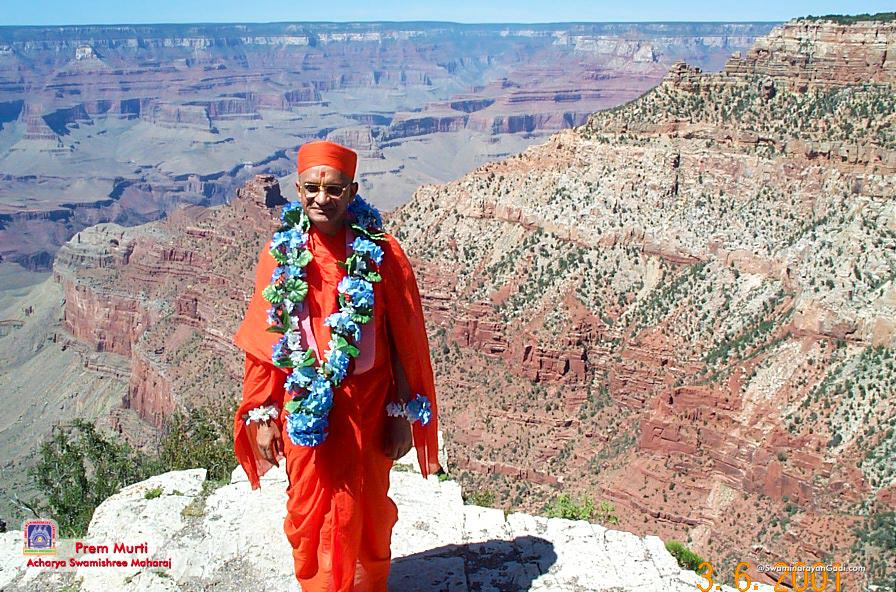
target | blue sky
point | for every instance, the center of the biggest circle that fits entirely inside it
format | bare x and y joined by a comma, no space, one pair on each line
63,12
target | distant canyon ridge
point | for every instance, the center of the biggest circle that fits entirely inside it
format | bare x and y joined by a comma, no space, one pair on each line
126,123
684,307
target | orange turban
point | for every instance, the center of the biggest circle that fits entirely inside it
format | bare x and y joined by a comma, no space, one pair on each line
327,153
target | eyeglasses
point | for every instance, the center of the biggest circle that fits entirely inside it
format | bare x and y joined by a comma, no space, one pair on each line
332,190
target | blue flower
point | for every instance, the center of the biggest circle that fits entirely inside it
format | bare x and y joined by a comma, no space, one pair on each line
370,249
300,378
320,385
318,402
279,347
362,300
343,324
288,208
359,291
280,238
338,364
277,273
292,238
294,271
365,215
419,408
300,423
308,438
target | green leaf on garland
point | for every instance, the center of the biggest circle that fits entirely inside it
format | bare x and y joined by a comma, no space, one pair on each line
299,292
292,405
373,276
309,358
284,319
276,329
360,318
272,294
352,350
304,257
372,234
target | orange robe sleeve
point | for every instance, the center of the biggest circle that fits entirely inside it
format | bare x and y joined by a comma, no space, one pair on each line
407,329
262,385
262,381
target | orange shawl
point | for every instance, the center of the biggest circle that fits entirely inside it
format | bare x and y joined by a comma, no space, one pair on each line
398,313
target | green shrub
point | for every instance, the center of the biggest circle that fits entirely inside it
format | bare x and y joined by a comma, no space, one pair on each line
481,497
686,558
78,468
153,493
606,513
564,507
203,438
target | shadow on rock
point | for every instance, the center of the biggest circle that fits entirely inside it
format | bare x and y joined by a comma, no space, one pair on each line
508,566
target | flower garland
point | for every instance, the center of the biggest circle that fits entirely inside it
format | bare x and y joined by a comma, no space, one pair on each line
417,409
311,387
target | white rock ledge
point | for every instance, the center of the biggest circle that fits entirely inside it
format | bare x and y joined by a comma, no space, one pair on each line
233,541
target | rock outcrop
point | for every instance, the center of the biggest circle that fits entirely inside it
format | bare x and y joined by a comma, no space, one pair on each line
822,52
231,538
169,295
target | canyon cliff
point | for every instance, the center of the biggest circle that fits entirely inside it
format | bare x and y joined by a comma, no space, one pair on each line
684,307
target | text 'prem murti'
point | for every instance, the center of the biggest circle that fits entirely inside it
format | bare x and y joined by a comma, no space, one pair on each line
117,548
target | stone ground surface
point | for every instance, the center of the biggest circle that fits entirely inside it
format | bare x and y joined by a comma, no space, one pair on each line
231,539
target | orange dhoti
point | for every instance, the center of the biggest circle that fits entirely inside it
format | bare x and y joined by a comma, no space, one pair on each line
339,516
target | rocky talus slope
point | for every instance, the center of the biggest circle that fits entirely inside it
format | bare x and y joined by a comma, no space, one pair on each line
230,539
686,307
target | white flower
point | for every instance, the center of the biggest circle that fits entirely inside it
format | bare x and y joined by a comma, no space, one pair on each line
297,357
262,413
294,340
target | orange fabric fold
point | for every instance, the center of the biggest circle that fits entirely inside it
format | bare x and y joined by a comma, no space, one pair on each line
339,517
252,335
262,385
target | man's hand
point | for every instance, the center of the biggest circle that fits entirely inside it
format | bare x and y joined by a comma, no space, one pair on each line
397,437
269,442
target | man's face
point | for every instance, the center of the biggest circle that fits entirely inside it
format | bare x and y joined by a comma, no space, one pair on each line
325,206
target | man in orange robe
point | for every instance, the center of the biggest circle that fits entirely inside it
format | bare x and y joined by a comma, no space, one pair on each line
339,517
